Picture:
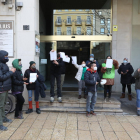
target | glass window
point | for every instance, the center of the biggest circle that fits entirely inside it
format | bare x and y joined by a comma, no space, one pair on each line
88,30
88,19
78,30
58,30
87,10
108,20
80,10
68,30
102,31
78,19
108,24
59,20
69,20
73,10
59,10
66,10
100,13
102,21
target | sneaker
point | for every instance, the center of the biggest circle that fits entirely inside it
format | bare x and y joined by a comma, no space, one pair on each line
59,99
138,112
29,111
105,100
52,99
38,111
79,97
88,114
3,128
92,112
19,117
20,113
6,120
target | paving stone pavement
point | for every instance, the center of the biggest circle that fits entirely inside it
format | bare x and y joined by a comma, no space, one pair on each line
70,126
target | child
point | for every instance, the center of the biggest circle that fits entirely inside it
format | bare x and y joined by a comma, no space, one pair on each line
80,77
18,87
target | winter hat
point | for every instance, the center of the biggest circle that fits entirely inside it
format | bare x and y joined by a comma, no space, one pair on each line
92,55
31,63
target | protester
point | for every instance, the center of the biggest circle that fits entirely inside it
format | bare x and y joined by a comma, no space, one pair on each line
126,71
18,87
91,78
91,60
80,77
137,87
56,73
5,86
109,75
31,87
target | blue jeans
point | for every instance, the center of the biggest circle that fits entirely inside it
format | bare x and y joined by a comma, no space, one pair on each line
138,98
30,95
91,100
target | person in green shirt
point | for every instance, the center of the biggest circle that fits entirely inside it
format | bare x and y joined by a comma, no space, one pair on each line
109,75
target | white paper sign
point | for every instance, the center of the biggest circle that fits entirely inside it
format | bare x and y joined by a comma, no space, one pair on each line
109,63
53,55
67,59
33,77
74,59
62,55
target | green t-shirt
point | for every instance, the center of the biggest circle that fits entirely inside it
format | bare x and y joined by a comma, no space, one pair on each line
84,70
110,72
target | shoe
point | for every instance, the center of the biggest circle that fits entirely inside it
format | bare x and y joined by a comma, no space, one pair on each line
105,100
92,112
59,99
6,120
19,117
138,112
123,95
85,96
79,97
20,113
130,97
109,100
3,128
29,111
88,114
52,99
38,111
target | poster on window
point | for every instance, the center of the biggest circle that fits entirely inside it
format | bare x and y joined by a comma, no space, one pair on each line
6,37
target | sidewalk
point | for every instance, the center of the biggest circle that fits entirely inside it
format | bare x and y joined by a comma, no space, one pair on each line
64,126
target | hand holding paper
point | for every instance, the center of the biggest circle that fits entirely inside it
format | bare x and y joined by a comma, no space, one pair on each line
33,77
53,55
109,63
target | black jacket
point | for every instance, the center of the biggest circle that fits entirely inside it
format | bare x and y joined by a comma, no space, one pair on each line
5,74
63,68
17,81
90,79
56,69
126,78
27,75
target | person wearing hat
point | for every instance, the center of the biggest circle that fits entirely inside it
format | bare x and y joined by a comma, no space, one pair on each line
92,60
17,87
31,87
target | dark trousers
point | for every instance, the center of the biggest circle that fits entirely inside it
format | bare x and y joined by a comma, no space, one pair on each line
128,87
19,105
107,88
58,81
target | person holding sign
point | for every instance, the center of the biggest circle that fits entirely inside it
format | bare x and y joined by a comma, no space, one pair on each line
32,74
56,74
108,70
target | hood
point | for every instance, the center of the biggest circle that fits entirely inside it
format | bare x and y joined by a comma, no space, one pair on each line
2,56
15,64
89,70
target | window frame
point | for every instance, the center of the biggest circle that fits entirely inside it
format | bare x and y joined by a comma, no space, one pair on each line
68,30
58,30
78,30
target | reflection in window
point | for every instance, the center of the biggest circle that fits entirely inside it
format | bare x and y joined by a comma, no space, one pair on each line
78,30
102,21
88,19
78,19
88,30
58,30
59,20
102,31
68,30
69,20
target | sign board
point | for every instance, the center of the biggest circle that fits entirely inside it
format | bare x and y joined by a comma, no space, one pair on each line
43,61
7,37
115,28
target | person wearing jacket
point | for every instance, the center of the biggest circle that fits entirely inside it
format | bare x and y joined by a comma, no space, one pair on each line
31,87
109,75
91,78
137,88
5,86
92,60
18,87
56,73
80,77
126,71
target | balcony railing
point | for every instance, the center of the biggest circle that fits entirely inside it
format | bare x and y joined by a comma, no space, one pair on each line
58,23
68,23
88,22
79,22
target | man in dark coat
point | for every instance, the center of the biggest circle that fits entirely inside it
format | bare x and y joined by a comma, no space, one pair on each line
91,78
5,86
56,73
126,71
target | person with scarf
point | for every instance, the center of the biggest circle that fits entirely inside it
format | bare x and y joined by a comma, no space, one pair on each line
126,71
31,87
17,87
109,75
